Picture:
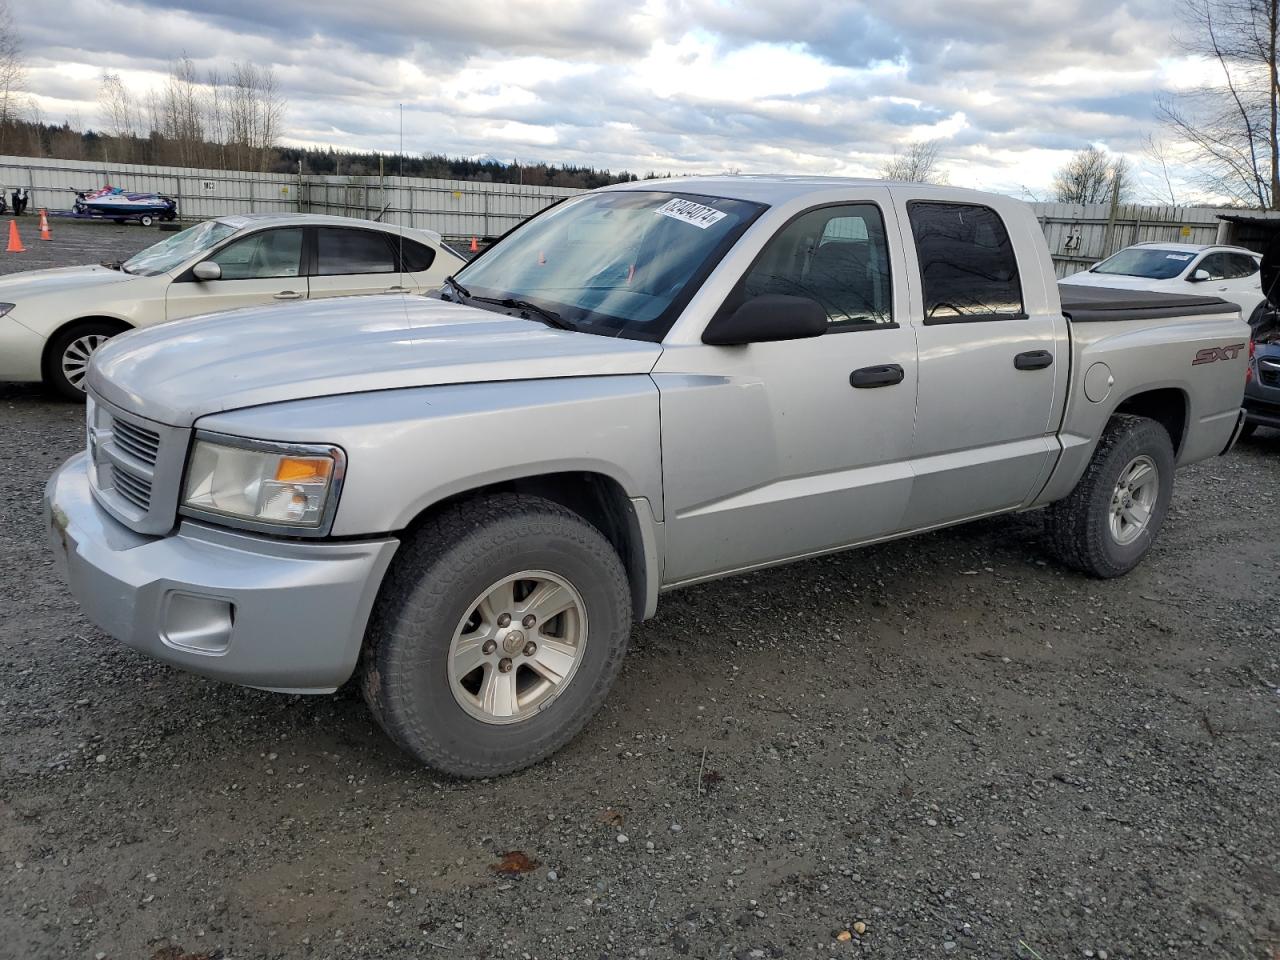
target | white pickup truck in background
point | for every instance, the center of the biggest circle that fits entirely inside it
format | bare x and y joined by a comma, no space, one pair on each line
466,499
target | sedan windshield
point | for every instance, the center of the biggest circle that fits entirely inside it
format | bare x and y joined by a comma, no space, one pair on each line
177,249
619,263
1154,263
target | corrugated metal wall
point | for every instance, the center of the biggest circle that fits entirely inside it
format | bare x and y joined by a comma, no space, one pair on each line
1078,235
454,208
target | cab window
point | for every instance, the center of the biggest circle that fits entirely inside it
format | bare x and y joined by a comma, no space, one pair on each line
262,255
834,255
968,269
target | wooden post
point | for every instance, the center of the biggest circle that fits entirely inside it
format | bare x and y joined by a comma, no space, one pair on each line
1111,218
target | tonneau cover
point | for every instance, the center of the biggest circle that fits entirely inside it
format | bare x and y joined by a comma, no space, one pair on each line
1083,304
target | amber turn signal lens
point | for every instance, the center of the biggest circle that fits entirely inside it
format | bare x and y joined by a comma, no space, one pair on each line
303,469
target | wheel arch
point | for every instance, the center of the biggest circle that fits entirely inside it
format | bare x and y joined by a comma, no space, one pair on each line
1168,406
46,353
626,522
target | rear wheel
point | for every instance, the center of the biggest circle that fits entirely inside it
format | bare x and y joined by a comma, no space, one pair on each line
145,221
497,634
1110,520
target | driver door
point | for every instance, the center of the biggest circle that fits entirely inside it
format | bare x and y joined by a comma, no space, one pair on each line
258,269
777,450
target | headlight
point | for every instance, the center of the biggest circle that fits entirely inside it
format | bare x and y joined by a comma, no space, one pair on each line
5,308
267,486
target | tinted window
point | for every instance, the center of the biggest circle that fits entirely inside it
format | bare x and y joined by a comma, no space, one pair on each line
967,264
353,251
1240,265
836,256
1215,264
415,257
259,256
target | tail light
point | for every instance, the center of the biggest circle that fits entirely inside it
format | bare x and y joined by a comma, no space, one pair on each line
1248,370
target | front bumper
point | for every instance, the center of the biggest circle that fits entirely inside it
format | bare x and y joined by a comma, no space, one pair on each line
276,614
20,351
1262,413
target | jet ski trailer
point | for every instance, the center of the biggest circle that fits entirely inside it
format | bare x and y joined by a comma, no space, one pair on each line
113,203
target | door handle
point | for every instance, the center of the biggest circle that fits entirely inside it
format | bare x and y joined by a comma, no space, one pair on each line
884,375
1033,360
288,295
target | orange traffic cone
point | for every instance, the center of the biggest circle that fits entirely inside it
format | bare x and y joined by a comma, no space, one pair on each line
475,247
44,226
15,241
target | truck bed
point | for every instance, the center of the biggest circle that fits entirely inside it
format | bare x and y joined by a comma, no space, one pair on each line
1083,304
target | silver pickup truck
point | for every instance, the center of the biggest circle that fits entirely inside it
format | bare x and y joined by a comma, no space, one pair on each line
463,500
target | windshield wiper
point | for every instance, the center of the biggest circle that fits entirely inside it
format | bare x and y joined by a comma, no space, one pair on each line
457,286
549,317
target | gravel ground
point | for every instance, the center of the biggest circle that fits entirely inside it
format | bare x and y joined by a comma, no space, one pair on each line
945,746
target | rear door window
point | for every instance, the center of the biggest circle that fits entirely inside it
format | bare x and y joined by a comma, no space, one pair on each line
968,269
340,252
1240,265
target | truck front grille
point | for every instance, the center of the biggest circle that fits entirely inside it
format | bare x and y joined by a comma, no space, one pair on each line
1269,375
137,466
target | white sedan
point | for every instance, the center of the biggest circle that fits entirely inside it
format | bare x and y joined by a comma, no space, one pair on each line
1228,273
51,321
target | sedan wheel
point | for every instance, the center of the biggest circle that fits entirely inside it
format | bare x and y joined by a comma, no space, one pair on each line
76,356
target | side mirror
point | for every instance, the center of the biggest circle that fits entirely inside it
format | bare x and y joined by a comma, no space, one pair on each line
206,270
770,317
1200,276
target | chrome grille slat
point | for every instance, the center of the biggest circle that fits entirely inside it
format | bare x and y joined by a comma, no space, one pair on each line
138,441
137,466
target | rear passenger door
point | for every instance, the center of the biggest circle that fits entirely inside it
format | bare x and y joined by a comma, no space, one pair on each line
348,261
989,366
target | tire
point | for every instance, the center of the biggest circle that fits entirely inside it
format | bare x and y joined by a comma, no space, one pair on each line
1082,529
145,221
67,357
433,588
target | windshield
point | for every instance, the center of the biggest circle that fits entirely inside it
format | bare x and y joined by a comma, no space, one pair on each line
621,263
172,251
1154,263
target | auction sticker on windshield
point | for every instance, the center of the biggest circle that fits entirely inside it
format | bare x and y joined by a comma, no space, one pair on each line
690,212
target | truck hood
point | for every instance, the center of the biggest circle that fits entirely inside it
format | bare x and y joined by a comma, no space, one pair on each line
178,372
18,287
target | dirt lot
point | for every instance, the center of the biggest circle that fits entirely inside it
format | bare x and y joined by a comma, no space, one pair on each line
948,739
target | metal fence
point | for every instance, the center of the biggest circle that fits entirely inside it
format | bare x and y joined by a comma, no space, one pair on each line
1078,235
453,208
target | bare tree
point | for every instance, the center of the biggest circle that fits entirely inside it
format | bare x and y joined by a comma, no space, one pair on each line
13,72
1160,157
1230,125
252,114
917,164
1090,176
121,116
178,114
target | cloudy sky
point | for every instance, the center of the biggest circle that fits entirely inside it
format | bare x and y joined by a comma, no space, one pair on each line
1009,87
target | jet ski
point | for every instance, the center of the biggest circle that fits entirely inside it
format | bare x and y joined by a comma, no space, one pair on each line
113,203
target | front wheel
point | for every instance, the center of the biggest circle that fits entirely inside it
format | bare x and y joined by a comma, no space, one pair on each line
1109,521
69,353
496,636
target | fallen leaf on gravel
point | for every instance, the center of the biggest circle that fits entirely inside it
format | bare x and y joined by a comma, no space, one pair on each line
611,817
711,779
514,863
